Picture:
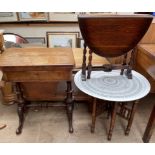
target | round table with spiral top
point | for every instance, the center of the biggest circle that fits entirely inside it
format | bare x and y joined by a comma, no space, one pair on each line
118,90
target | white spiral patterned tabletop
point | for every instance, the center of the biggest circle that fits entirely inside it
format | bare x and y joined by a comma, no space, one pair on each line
112,86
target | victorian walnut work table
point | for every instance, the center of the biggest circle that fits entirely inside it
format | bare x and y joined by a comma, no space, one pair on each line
29,65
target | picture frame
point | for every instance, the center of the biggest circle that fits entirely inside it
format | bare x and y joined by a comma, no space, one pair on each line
8,17
33,16
36,40
62,39
63,16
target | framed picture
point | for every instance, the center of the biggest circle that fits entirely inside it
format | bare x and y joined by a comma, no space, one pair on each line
8,16
32,16
63,16
62,39
36,40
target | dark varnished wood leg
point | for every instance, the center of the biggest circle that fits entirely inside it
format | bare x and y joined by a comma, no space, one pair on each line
89,64
130,65
129,73
83,76
20,111
112,122
124,63
108,108
93,116
133,110
150,127
70,105
20,108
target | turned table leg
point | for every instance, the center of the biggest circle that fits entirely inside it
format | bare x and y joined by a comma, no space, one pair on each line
70,105
93,116
20,108
89,64
150,127
133,110
84,66
112,122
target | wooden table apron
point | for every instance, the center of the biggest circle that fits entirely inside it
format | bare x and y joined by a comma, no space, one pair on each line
38,65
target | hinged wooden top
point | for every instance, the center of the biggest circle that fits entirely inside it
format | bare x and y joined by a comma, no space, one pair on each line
37,57
113,35
115,16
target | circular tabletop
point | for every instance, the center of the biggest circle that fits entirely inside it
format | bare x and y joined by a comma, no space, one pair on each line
112,86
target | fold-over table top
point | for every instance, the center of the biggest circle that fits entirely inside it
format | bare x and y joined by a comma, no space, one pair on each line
37,57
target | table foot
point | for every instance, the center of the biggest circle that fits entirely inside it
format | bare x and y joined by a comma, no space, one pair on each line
127,132
20,107
93,115
133,110
112,122
70,117
70,106
21,119
71,130
109,136
19,131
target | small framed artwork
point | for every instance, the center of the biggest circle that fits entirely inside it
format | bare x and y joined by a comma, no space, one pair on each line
8,17
62,39
63,16
33,16
36,40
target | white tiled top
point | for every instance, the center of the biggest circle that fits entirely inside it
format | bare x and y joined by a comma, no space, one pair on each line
112,86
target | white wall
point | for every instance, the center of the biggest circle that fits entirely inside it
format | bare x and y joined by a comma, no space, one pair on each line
38,30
